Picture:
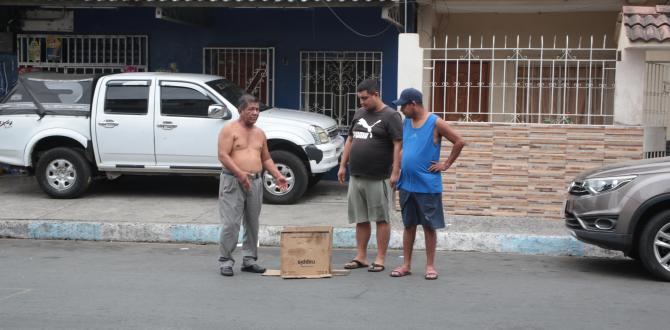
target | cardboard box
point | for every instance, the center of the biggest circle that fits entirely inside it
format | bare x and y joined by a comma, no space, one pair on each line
306,252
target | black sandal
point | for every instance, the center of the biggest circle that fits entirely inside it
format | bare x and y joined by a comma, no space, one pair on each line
354,264
376,268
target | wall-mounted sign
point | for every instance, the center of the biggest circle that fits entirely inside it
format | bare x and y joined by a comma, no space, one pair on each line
35,51
53,48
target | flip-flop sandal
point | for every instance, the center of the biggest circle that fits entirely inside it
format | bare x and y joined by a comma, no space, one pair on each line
431,276
354,264
400,272
376,268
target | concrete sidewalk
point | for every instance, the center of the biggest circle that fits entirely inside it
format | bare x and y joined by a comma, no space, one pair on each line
185,209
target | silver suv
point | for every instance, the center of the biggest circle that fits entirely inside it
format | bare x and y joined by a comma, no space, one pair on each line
625,207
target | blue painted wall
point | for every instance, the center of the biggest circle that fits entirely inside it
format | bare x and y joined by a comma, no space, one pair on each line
288,30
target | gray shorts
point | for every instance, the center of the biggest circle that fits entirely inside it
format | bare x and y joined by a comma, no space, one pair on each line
369,199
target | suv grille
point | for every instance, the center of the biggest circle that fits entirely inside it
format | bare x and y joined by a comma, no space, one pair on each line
577,189
597,223
571,222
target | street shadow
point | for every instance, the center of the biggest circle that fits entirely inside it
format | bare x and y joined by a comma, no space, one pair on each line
157,185
195,187
610,267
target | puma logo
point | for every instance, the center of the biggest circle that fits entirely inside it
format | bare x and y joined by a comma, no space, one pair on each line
368,127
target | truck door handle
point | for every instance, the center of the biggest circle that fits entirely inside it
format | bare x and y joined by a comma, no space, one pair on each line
167,125
108,123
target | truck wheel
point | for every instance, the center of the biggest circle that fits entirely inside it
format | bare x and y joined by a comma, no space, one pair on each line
314,179
654,246
293,169
63,173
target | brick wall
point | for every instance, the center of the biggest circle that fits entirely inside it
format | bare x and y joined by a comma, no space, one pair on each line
523,170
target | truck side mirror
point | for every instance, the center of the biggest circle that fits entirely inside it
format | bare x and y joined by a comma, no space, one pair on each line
218,111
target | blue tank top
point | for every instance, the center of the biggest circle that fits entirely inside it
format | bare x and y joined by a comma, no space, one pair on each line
418,153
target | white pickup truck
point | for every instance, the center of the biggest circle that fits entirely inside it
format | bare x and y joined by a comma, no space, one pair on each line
71,129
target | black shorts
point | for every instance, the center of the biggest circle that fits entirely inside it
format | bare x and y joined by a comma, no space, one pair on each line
422,209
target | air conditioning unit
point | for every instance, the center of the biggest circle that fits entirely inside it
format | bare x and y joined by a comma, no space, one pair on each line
48,20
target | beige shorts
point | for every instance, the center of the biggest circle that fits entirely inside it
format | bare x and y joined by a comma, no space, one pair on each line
369,199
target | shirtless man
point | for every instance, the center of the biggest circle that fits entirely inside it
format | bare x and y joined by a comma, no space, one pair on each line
243,151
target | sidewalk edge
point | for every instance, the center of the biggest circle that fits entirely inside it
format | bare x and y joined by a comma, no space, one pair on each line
343,237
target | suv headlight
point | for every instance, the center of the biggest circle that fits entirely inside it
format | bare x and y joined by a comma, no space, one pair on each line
601,185
320,135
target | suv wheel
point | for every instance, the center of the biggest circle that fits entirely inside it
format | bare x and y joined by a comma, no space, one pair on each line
63,173
654,246
293,169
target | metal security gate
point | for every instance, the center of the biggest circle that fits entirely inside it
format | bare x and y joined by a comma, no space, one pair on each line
553,81
249,68
83,53
656,115
328,81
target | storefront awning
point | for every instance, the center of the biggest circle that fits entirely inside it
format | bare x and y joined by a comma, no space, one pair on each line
200,3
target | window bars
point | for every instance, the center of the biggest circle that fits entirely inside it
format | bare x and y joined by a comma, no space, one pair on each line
328,81
538,82
656,110
248,67
83,53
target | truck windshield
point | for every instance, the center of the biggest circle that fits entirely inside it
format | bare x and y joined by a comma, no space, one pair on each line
231,92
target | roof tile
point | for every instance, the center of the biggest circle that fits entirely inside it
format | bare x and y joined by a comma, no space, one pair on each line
647,23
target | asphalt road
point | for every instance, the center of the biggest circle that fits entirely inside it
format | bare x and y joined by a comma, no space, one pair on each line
99,285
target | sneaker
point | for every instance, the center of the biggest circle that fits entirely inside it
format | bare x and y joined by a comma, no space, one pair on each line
227,271
254,268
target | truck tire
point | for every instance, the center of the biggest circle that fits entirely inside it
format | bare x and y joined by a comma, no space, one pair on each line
314,179
293,169
654,246
63,173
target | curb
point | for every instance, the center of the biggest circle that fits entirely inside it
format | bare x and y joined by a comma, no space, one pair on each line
343,237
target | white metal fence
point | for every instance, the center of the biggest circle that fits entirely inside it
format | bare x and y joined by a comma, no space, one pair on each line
250,68
83,53
656,110
328,81
557,81
657,95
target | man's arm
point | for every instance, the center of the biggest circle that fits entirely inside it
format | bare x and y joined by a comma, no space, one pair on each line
444,130
344,160
269,164
397,156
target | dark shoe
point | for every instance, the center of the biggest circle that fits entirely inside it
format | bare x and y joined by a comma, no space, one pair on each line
254,269
227,271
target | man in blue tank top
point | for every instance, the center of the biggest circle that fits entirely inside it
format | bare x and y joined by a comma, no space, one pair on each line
420,181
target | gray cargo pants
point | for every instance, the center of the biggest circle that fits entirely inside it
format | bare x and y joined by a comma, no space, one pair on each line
237,205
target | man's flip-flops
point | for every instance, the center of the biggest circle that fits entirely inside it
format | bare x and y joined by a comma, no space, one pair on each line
354,264
431,276
400,272
376,268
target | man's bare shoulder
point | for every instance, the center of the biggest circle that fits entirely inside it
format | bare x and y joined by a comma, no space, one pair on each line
258,131
231,128
439,122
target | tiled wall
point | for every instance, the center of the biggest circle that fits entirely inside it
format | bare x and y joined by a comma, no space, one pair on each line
523,170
